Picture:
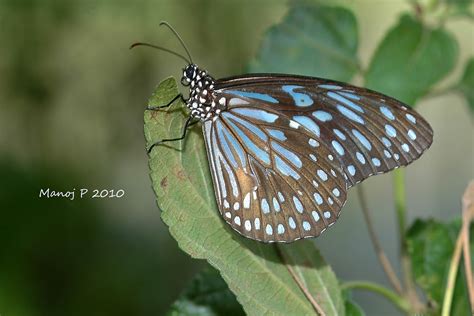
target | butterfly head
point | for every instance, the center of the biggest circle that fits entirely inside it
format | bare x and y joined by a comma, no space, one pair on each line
189,74
201,100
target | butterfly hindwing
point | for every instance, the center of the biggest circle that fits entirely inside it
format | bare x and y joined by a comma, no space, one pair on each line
274,180
369,132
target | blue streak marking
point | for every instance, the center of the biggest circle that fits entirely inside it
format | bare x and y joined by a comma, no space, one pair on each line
322,116
225,145
259,153
251,127
363,140
349,95
285,168
387,113
300,99
345,101
308,124
235,144
276,134
338,147
298,205
349,114
265,206
291,156
260,115
253,95
329,86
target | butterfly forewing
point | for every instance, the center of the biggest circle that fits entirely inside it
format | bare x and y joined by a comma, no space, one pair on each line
274,180
368,132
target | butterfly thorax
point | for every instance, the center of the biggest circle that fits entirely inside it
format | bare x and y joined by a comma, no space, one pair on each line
202,99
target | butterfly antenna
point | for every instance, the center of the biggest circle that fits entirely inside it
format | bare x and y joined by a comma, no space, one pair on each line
179,38
161,48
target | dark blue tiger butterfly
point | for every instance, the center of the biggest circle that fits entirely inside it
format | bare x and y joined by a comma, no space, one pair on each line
283,149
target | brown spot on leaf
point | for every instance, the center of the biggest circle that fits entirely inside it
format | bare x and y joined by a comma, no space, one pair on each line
164,183
181,174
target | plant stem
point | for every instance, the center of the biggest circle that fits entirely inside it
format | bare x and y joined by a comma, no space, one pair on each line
396,299
453,270
300,284
387,267
400,206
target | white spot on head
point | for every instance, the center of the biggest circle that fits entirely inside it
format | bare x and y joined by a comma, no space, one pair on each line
237,220
315,215
322,175
248,225
306,225
412,134
269,229
405,148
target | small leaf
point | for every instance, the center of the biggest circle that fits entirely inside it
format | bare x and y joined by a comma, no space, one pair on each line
311,40
253,271
431,245
411,59
466,86
207,295
352,308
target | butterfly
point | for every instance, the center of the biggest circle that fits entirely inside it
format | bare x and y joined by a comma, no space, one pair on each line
283,150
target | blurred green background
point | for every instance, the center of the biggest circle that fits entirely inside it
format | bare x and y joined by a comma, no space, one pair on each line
72,97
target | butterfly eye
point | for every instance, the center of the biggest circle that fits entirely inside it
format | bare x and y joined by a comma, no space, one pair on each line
190,72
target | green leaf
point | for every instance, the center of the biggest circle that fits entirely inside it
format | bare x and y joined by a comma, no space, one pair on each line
352,308
254,271
411,59
466,86
431,245
207,295
311,40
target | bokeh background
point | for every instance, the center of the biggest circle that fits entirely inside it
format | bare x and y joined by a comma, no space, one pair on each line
72,97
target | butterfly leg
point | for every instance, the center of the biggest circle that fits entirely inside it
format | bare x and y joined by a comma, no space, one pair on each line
179,96
183,134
